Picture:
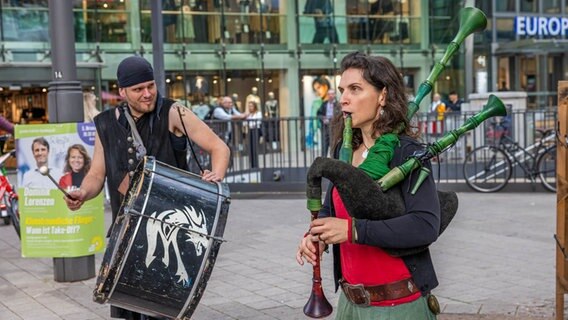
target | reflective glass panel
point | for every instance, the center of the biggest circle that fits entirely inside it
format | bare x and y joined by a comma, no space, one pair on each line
101,21
505,29
529,6
25,21
551,6
231,22
504,5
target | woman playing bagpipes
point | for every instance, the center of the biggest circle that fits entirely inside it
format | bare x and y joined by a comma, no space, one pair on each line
375,284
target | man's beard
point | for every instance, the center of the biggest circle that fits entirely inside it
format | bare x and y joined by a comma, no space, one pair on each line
142,108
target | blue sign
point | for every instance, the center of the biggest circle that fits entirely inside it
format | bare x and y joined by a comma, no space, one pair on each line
541,26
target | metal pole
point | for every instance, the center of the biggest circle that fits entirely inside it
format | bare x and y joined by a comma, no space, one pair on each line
1,23
65,99
65,102
158,45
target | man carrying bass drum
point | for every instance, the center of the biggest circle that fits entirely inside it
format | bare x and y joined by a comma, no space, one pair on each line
158,121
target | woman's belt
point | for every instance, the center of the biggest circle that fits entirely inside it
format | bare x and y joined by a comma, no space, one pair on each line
363,295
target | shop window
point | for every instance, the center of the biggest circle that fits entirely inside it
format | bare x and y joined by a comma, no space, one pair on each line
529,6
380,22
25,21
505,29
317,22
207,21
503,73
551,6
444,22
101,21
504,5
196,88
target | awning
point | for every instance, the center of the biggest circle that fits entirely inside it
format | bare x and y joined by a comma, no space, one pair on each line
532,46
46,64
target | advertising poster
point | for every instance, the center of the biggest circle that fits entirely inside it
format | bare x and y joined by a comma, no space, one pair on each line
315,90
48,227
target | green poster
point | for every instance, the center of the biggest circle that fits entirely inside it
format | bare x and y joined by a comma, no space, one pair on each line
48,228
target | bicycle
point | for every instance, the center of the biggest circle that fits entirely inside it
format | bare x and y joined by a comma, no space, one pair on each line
490,167
8,195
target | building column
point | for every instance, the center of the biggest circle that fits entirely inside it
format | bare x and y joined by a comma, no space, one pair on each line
542,79
469,46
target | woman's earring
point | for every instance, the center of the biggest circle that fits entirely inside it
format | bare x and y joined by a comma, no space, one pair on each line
382,112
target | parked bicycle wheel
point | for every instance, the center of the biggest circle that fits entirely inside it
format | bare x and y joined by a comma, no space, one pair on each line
546,165
13,209
487,169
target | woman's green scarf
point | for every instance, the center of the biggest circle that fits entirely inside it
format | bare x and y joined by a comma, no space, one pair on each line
376,165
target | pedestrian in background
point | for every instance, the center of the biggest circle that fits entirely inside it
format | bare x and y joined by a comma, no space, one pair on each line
438,108
7,130
454,103
254,124
90,106
228,112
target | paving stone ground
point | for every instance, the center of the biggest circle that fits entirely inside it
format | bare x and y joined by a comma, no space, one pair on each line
495,261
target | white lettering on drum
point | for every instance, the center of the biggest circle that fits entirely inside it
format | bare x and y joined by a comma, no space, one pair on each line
167,232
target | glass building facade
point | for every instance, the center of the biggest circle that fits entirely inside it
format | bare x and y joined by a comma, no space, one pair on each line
523,49
214,48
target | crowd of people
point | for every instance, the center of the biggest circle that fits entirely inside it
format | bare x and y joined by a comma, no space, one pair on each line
243,127
439,108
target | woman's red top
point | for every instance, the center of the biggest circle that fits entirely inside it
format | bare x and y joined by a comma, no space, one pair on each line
369,265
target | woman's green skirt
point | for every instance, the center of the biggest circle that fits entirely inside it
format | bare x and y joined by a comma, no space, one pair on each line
415,310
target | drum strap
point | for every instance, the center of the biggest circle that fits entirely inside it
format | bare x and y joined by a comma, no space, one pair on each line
138,144
187,137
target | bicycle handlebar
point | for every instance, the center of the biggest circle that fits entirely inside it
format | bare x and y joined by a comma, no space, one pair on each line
6,156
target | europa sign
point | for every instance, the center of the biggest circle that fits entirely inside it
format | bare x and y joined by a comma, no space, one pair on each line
541,26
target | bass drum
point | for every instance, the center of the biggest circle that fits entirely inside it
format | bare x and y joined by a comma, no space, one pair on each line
164,243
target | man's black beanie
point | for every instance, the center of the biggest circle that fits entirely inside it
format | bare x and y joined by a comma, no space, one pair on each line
134,70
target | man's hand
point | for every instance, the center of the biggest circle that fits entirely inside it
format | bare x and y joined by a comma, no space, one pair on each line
79,196
210,176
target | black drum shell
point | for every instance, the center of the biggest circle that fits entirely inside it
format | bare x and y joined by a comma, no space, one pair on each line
156,289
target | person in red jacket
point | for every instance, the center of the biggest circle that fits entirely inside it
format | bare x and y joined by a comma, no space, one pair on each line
77,164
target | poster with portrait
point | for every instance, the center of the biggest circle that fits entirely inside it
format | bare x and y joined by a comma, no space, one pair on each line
48,227
314,89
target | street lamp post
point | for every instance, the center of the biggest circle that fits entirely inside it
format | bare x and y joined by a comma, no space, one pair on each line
65,102
158,45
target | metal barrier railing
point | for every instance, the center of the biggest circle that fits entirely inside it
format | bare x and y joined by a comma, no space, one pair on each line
280,150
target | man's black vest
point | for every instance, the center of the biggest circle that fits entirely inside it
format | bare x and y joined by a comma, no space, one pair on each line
119,151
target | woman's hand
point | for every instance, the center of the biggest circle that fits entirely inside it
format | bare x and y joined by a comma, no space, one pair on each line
330,230
307,250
